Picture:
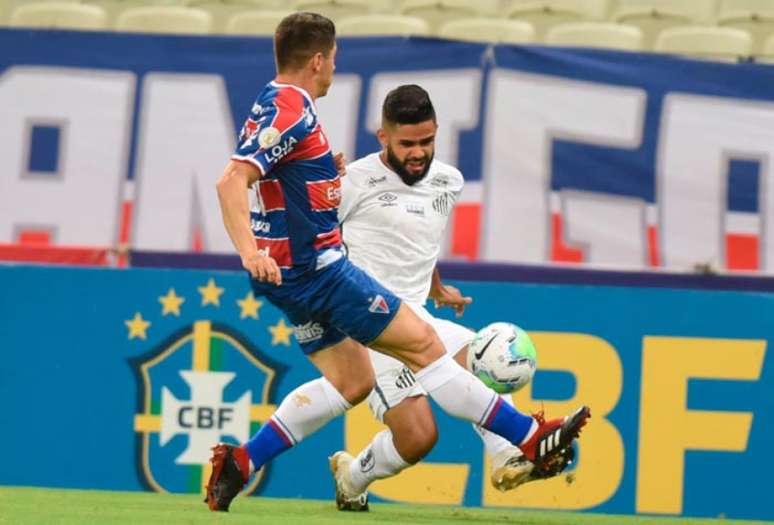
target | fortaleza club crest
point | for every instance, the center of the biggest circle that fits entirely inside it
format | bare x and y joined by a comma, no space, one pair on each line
203,383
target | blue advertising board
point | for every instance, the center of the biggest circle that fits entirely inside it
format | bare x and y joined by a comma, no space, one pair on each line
147,368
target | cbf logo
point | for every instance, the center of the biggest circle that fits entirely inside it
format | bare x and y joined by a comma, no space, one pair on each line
202,384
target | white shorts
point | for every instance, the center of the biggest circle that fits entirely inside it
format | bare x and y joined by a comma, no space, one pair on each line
394,381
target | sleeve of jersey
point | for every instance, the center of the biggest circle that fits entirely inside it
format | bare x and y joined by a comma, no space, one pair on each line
276,131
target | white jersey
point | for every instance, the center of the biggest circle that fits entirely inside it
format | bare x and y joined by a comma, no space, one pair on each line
392,230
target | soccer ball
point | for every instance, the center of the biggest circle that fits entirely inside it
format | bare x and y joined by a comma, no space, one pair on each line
503,357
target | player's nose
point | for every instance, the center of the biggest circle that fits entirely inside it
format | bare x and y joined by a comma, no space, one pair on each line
416,154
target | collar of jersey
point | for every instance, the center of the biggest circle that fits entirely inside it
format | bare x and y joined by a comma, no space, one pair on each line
299,89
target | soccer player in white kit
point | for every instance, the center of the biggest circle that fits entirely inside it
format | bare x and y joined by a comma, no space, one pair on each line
394,209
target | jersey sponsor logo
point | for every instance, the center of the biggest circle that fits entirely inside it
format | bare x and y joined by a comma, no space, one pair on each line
277,249
333,194
415,209
379,305
278,152
405,379
324,195
440,181
204,383
388,199
268,137
373,181
308,332
260,226
443,203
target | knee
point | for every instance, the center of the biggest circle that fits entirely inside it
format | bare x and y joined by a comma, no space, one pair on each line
356,388
416,443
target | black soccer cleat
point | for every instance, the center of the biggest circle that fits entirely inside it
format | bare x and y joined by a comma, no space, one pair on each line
560,462
548,446
230,472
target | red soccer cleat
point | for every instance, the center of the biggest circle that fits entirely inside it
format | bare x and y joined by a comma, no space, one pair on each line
230,472
551,440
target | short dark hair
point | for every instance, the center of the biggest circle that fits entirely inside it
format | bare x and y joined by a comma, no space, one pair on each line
407,104
299,36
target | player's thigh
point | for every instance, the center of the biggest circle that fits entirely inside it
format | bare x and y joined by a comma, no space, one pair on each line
347,366
413,427
410,340
454,336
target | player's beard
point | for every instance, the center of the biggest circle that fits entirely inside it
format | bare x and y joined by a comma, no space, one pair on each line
399,167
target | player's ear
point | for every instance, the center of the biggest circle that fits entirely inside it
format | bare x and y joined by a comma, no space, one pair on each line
317,60
381,135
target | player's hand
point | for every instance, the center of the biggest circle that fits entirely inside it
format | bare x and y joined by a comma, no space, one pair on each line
263,268
447,295
341,163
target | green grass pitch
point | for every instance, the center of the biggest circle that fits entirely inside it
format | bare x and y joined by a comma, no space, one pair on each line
82,507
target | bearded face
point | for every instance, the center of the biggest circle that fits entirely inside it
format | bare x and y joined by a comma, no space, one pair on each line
409,149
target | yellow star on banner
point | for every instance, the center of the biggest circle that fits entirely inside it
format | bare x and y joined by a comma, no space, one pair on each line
280,333
171,303
137,326
249,306
210,293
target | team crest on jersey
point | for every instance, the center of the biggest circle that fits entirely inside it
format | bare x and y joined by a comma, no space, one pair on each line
204,383
443,203
379,305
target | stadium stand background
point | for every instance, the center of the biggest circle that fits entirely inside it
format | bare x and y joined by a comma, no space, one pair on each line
713,29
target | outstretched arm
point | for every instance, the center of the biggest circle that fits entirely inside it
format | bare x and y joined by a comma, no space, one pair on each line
447,295
232,194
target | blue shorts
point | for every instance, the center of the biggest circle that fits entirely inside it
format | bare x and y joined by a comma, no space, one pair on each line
336,302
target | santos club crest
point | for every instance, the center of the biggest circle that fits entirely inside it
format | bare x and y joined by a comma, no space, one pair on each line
203,384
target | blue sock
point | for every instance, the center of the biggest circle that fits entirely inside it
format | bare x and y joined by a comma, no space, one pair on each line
508,422
269,442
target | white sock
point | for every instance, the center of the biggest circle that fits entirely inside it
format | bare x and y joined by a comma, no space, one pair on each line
457,391
307,408
378,460
494,444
